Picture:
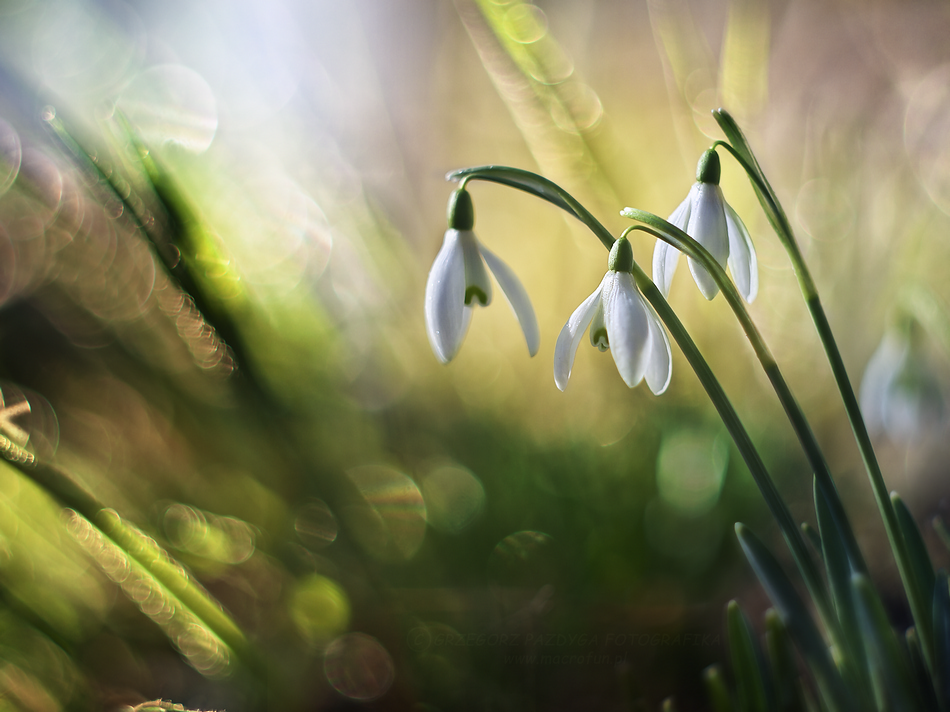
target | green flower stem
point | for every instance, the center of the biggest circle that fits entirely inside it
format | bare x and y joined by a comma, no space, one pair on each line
543,188
919,600
773,499
684,243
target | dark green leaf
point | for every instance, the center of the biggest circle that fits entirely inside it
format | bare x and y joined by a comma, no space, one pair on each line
813,537
941,616
888,662
751,690
921,568
918,669
839,570
797,620
786,680
716,689
941,528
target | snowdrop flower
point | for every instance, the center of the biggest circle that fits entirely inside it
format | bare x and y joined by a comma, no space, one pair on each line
458,281
900,394
707,218
620,319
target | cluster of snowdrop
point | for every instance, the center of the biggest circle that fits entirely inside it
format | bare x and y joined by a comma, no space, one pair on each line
899,394
628,315
616,314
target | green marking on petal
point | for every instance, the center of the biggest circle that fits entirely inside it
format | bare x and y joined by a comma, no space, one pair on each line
598,338
473,292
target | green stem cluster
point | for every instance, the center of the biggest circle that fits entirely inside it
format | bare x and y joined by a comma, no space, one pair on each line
850,610
740,149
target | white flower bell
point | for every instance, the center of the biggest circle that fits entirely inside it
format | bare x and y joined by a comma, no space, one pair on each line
620,319
707,218
458,280
900,394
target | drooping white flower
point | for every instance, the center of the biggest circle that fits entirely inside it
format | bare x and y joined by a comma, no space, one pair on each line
900,394
458,281
707,218
619,319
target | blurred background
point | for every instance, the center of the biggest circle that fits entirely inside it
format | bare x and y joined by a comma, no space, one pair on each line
216,221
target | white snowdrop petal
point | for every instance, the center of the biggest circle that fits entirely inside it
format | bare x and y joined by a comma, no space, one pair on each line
476,276
517,298
659,368
445,299
707,225
627,327
742,260
665,259
570,337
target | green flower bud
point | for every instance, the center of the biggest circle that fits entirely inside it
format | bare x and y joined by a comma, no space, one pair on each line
621,256
461,212
708,169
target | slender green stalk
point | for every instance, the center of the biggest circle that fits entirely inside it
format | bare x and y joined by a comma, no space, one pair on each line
776,504
919,600
543,188
662,230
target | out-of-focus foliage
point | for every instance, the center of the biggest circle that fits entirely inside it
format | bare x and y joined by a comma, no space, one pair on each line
236,476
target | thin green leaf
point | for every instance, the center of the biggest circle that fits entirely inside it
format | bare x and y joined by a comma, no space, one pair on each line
921,567
716,689
797,620
763,190
941,528
786,681
941,617
813,537
889,664
752,691
839,570
919,670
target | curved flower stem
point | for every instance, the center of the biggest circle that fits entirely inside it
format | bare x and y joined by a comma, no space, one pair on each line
661,229
920,603
547,190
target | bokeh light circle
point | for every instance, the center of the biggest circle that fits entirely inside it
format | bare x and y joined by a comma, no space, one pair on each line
690,469
392,524
172,104
359,667
319,608
315,524
454,498
11,153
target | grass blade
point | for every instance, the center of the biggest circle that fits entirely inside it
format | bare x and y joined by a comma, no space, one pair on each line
887,660
941,617
752,691
785,678
716,689
797,620
921,567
